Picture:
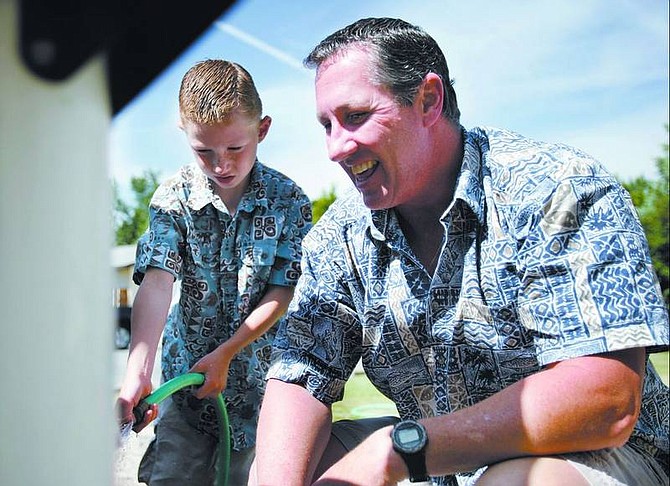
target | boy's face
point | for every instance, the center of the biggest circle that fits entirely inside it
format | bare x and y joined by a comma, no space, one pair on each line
226,152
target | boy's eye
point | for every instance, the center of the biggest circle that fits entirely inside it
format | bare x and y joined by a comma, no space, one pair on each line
235,149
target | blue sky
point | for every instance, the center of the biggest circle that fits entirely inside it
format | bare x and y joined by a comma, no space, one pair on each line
590,73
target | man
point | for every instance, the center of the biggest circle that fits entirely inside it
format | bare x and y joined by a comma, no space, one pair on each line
498,289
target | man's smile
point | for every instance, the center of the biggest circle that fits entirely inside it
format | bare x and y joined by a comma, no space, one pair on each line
359,169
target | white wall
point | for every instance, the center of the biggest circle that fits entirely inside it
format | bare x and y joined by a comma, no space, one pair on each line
56,418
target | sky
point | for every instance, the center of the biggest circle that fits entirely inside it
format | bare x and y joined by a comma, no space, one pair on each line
589,73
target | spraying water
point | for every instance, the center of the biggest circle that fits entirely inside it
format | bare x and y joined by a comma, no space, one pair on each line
124,435
122,443
129,450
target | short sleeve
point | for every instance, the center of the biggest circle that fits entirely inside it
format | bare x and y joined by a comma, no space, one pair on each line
161,246
318,344
588,285
298,218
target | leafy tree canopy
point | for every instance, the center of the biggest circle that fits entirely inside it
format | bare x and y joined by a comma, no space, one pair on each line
321,204
651,199
132,219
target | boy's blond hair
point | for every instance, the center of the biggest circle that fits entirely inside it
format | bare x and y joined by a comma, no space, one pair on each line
211,90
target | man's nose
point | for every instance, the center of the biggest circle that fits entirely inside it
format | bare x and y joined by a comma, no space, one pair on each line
340,144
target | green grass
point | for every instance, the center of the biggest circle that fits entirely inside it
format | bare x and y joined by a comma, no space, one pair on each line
361,399
660,362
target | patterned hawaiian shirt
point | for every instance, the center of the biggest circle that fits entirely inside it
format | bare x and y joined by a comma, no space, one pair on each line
224,265
544,260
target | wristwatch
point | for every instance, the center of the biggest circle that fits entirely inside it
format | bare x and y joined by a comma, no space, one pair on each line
410,440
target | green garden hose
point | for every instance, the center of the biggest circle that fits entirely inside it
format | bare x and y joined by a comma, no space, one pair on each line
176,384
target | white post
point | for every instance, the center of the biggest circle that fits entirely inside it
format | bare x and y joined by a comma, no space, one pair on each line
56,410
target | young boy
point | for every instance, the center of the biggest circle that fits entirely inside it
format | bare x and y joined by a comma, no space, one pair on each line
230,230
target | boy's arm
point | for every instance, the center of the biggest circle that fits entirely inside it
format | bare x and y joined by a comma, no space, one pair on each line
150,309
293,431
215,365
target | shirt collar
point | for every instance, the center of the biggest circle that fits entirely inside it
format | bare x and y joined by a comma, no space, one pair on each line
256,194
378,222
202,192
469,186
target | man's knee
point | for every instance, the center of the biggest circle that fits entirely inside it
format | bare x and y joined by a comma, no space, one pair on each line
334,451
529,471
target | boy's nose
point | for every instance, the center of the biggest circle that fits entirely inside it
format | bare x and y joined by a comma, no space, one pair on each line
220,165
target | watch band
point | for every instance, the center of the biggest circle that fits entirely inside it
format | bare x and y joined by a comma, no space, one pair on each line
416,464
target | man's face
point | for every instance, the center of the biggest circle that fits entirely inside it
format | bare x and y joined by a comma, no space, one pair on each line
375,140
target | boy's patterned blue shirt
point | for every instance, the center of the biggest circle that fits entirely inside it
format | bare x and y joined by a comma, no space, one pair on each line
544,260
224,264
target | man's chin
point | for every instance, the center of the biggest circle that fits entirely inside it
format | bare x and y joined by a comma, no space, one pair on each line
374,201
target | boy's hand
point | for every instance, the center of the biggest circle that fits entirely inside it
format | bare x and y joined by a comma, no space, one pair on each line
129,397
215,368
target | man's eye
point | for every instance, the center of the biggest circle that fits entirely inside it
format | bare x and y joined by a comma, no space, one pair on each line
357,117
235,149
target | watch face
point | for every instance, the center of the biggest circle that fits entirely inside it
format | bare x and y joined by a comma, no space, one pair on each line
409,437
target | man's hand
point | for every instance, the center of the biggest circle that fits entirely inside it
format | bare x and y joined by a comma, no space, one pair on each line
372,463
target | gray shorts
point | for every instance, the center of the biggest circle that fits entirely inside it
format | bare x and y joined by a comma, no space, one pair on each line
623,466
350,433
180,455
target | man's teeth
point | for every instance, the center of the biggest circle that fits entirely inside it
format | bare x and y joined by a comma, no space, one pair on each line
360,168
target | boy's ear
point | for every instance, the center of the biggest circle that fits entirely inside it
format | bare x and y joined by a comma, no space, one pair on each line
264,127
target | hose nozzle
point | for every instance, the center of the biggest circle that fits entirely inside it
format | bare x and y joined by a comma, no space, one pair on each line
139,412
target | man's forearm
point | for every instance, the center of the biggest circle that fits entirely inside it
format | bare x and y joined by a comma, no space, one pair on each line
581,404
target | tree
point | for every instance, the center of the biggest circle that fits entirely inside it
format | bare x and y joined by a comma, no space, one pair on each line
651,198
320,205
131,220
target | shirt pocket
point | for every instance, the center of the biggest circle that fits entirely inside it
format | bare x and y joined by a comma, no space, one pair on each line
260,254
257,262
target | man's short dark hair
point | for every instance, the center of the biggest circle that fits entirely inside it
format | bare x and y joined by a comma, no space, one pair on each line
405,54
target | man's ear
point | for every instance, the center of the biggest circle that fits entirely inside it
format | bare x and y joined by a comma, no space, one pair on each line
264,127
431,96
